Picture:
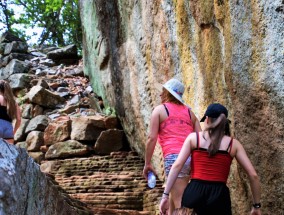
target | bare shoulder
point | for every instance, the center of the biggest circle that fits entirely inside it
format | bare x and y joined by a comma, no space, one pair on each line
237,146
192,137
1,100
191,111
158,109
236,143
192,140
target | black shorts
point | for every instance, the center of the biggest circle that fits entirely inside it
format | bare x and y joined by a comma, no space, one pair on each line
207,197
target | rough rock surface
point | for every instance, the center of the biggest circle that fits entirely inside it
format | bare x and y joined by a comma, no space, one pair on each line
25,190
225,51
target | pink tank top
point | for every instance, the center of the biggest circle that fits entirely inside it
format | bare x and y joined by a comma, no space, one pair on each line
174,130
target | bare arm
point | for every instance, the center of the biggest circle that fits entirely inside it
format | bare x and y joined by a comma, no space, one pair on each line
18,119
245,162
151,141
175,169
196,123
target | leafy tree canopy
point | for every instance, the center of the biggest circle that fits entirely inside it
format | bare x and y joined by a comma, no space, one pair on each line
59,19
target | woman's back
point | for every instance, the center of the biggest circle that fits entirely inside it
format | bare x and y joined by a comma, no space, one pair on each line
174,129
211,167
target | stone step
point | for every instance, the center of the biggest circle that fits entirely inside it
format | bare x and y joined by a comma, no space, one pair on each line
131,181
107,211
121,176
110,184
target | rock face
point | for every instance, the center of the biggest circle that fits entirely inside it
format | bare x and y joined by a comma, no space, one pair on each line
26,190
225,51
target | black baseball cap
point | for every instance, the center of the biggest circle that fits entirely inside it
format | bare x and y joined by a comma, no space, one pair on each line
214,111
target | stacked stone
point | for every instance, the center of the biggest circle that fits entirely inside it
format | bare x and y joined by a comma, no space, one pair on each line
13,53
60,112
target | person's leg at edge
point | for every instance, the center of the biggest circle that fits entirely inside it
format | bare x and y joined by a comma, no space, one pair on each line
177,192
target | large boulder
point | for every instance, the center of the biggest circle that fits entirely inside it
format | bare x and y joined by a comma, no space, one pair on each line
66,52
66,149
109,141
26,190
15,66
87,128
223,51
16,46
57,130
20,81
44,97
8,37
38,123
20,134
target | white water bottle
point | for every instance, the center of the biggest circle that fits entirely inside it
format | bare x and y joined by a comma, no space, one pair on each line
151,179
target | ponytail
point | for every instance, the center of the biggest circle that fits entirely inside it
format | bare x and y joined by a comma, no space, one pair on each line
217,129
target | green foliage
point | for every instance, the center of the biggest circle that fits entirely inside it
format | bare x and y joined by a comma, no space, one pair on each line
59,19
109,111
6,15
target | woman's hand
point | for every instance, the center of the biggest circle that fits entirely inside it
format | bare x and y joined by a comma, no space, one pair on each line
146,169
255,211
164,206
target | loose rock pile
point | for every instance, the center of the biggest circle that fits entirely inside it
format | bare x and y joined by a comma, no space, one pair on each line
63,126
58,120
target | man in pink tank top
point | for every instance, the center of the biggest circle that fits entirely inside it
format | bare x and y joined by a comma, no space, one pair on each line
171,122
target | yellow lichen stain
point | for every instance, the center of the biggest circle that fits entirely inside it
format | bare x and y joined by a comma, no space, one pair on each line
257,44
226,33
212,61
214,55
148,59
184,41
219,9
202,11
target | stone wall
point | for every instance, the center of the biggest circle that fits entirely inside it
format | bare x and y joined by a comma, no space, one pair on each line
225,51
